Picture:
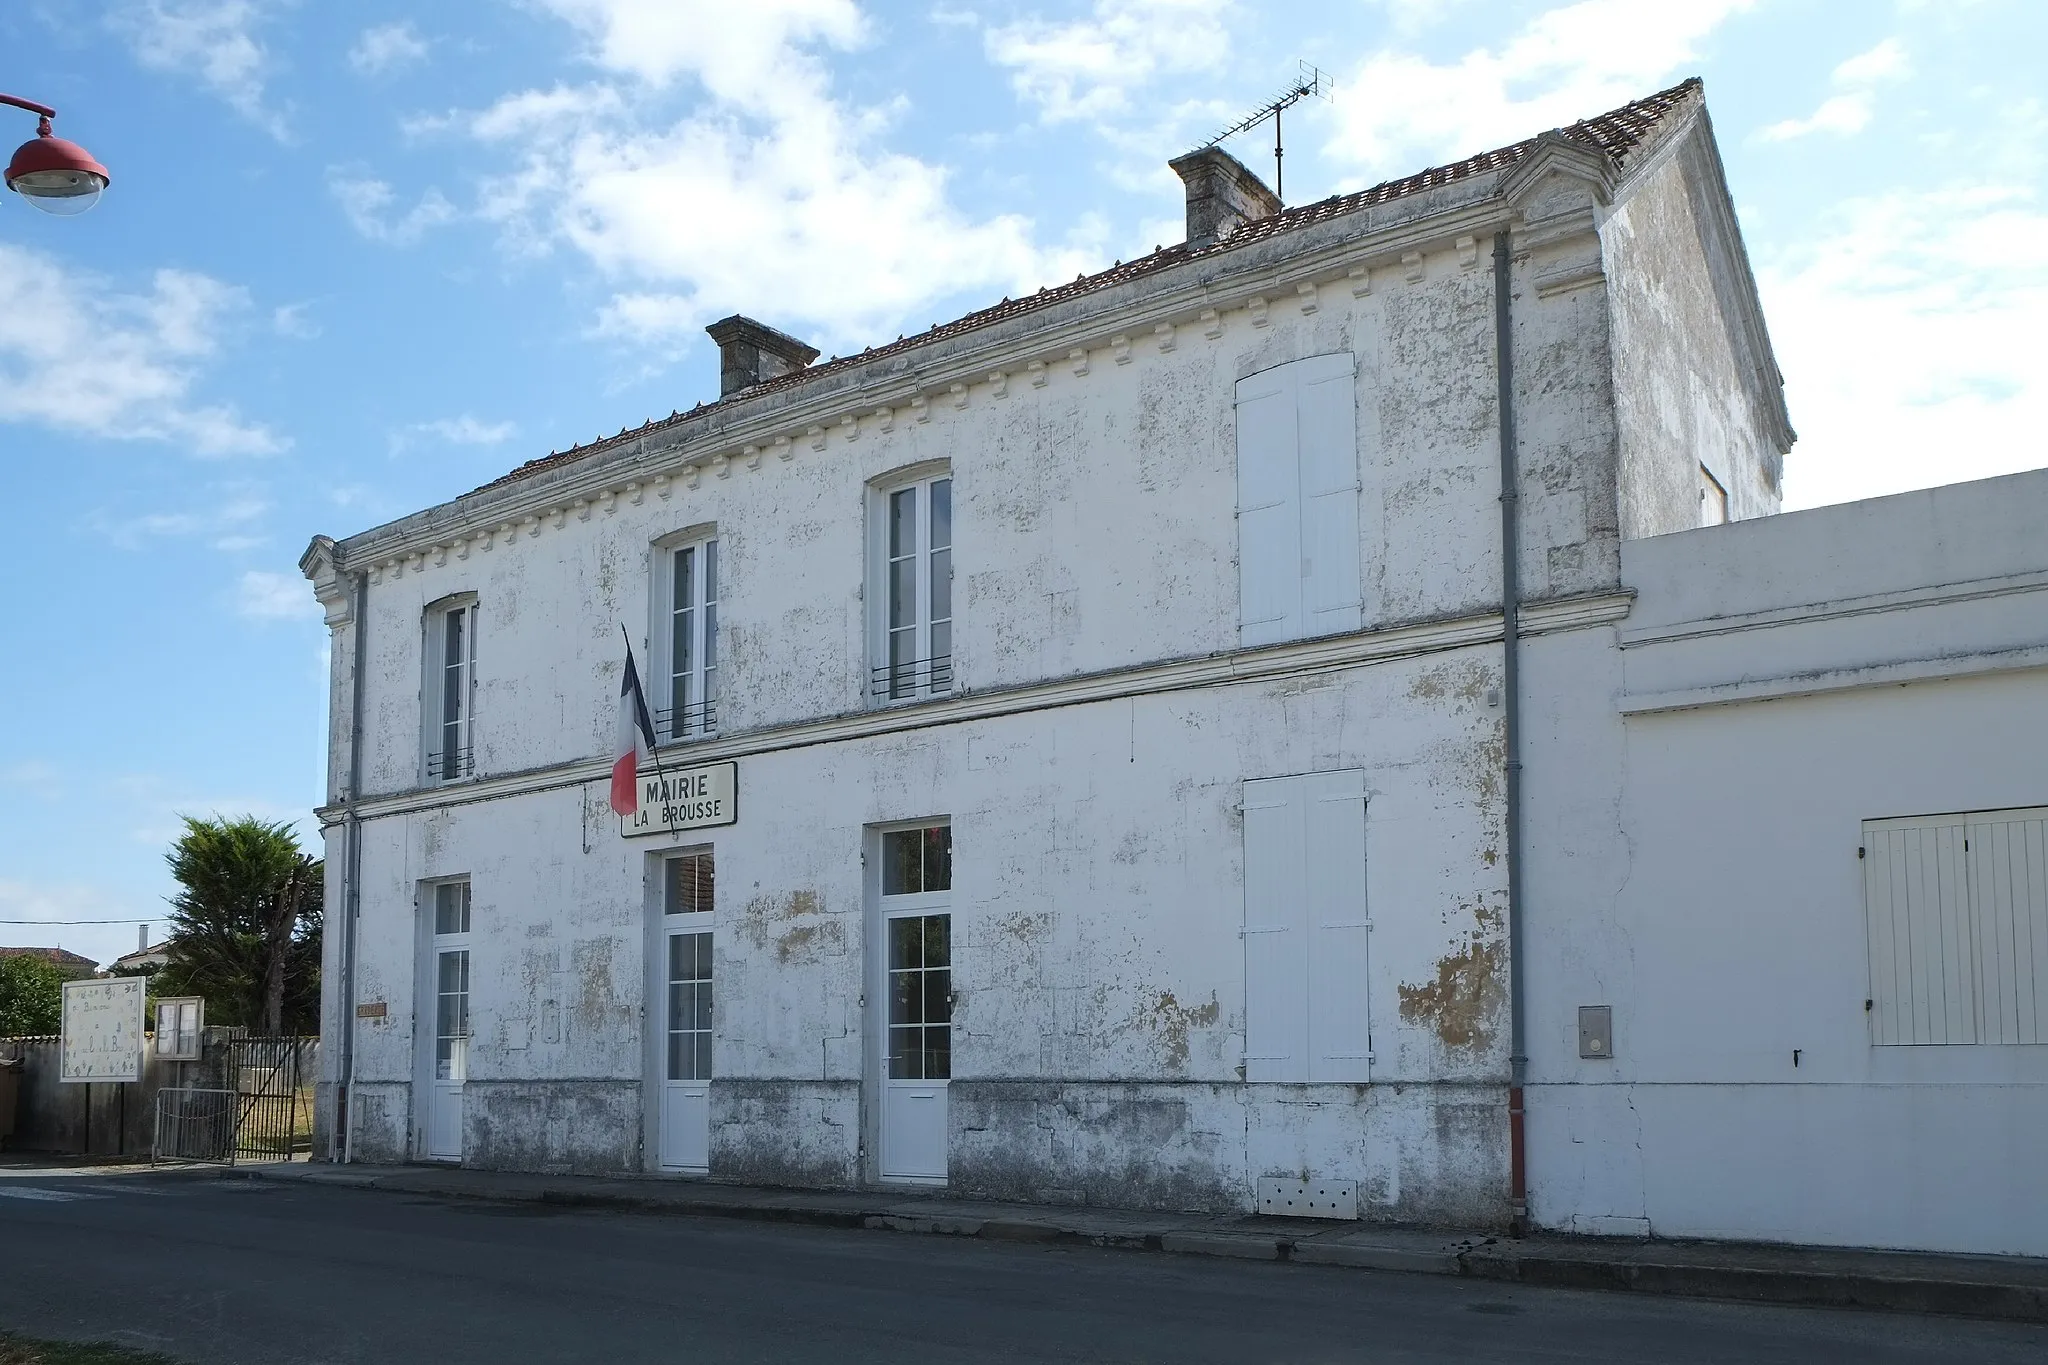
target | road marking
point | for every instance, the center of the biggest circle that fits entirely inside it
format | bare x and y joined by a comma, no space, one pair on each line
31,1192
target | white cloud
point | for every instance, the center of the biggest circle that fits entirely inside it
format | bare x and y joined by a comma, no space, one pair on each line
1088,68
225,521
290,320
78,357
1851,110
1907,335
1886,61
367,204
771,196
387,48
1563,66
263,595
212,40
462,431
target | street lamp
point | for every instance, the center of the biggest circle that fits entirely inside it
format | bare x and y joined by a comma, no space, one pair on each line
56,176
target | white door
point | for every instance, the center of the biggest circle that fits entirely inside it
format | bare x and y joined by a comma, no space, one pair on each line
686,1083
682,983
917,986
450,1062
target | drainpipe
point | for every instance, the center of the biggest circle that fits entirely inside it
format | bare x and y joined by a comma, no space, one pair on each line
352,872
1511,725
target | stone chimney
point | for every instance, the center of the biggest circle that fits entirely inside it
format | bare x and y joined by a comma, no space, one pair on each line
1223,194
751,353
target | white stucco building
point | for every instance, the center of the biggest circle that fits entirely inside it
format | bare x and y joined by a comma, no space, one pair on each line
1121,763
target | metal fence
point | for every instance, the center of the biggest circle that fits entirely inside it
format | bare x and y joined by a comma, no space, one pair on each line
254,1116
194,1125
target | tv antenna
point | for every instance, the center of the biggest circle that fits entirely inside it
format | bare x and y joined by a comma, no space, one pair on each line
1313,81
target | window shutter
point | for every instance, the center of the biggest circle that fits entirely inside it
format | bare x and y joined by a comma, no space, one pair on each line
1327,408
1339,944
1275,932
1922,953
1268,508
2008,874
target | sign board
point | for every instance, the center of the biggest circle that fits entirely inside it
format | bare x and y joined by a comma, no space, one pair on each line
179,1019
103,1030
678,799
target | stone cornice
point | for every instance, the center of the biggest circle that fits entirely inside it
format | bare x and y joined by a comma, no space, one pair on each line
1216,670
1199,300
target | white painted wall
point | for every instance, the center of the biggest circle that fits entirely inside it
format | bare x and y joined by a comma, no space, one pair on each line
1099,880
1695,867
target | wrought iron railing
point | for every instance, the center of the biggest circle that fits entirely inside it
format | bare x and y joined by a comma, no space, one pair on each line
450,764
912,678
698,721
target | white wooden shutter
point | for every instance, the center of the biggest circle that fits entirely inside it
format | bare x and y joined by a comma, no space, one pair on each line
1327,418
2008,873
1276,939
1339,945
1268,508
1923,965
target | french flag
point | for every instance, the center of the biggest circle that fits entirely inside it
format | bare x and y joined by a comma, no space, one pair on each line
636,737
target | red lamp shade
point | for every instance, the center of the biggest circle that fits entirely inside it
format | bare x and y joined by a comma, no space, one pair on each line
56,176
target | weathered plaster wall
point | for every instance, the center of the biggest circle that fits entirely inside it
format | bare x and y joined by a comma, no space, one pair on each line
1099,878
1695,867
1095,524
1684,391
1098,891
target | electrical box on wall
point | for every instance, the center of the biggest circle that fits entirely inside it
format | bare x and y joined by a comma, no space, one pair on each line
1596,1032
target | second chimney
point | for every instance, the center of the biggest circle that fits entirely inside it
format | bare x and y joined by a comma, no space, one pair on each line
751,353
1223,194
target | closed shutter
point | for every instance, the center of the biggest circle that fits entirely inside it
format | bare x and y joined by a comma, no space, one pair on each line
1305,930
2008,863
1276,940
1956,910
1297,501
1327,417
1268,509
1338,944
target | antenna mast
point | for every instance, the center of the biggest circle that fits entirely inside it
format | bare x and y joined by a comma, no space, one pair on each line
1312,81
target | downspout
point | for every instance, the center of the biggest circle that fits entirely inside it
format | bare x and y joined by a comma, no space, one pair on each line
1511,725
352,872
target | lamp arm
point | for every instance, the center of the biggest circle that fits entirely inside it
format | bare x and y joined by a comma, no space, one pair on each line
19,103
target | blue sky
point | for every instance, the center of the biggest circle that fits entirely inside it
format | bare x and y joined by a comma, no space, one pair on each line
360,259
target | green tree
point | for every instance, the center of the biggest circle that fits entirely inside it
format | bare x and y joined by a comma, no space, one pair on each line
31,996
245,925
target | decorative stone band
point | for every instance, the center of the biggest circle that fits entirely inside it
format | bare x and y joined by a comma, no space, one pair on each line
1215,670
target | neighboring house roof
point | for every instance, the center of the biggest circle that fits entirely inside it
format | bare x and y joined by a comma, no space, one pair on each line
63,959
1617,135
158,956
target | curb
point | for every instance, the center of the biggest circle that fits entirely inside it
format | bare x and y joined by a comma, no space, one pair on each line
1501,1262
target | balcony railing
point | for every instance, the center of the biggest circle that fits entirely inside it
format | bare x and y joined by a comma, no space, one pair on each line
912,678
449,764
699,721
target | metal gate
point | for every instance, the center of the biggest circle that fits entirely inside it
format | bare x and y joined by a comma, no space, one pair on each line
253,1114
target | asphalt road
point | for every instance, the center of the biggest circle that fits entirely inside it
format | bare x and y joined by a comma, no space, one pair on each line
230,1271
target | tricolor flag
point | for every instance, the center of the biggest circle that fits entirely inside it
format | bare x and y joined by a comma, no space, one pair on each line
636,737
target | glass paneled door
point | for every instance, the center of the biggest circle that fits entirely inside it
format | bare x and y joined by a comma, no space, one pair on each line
687,892
917,966
449,959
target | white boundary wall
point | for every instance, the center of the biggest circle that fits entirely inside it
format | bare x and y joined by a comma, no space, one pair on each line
1698,780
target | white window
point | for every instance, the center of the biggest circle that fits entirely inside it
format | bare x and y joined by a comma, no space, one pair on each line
912,596
1297,501
686,639
448,691
1713,499
1956,908
1305,929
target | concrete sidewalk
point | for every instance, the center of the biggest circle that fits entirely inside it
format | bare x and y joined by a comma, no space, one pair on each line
2002,1287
